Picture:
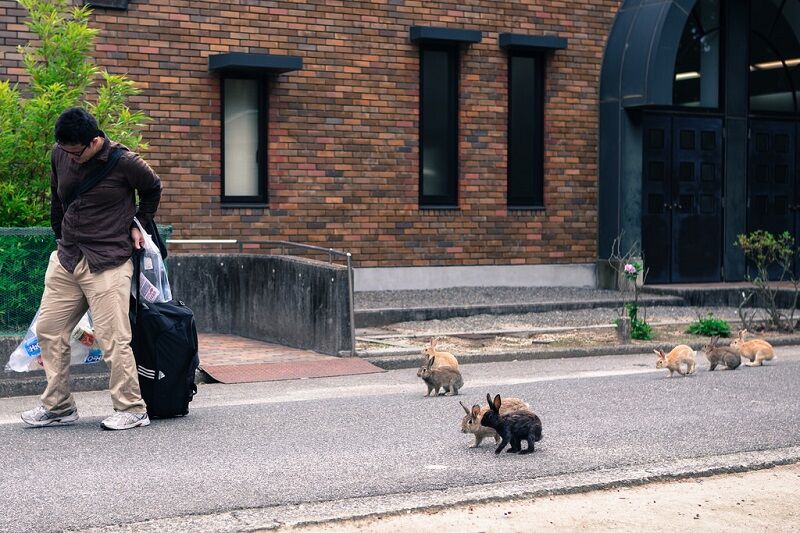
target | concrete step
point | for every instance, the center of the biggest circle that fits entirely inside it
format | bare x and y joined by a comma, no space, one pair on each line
367,318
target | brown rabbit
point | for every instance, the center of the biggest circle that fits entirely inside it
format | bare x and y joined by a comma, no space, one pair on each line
445,377
442,358
680,355
721,355
471,423
756,350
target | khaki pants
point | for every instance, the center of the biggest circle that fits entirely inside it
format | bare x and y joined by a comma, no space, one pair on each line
66,298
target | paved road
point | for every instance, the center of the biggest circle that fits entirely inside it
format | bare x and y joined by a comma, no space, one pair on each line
265,445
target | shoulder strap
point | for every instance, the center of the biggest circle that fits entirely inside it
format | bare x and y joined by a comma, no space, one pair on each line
93,179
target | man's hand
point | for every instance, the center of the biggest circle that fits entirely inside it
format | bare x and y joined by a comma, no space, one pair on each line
138,239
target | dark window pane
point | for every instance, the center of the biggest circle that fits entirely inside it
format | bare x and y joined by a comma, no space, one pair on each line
687,140
438,119
686,171
708,140
525,168
655,171
655,139
707,171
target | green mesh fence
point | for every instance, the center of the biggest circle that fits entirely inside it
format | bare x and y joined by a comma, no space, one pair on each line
24,253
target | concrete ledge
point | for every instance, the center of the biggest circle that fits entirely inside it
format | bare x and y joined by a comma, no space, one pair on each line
411,358
291,301
366,318
418,278
727,296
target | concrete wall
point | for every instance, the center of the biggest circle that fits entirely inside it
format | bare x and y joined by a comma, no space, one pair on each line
419,278
292,301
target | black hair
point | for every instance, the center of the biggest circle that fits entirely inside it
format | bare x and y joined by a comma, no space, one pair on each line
76,126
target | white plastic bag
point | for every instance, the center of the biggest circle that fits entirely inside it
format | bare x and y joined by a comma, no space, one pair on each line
83,347
153,280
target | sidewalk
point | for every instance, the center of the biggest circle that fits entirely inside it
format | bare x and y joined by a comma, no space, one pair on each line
478,324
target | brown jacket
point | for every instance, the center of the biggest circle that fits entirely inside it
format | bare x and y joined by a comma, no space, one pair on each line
97,224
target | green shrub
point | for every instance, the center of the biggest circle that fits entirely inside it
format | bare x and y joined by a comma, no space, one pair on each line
23,263
710,326
640,329
61,75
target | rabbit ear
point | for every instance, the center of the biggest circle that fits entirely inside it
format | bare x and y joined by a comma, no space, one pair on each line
497,402
434,340
430,362
489,400
464,407
659,353
741,333
476,411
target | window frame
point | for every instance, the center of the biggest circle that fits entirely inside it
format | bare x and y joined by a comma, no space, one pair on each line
536,201
449,200
262,156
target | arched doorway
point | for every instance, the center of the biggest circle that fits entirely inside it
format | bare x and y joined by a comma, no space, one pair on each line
699,132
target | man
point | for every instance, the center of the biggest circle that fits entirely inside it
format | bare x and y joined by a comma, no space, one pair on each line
92,267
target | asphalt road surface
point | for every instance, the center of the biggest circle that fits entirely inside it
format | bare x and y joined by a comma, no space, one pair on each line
277,445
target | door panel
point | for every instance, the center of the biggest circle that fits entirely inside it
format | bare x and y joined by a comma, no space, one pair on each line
697,200
656,198
771,178
682,198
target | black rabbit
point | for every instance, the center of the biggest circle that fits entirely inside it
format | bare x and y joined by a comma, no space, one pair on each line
515,427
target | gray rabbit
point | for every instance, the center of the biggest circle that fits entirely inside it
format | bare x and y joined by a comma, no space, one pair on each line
445,377
721,355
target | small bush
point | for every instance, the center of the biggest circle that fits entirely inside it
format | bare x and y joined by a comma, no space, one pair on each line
23,262
710,326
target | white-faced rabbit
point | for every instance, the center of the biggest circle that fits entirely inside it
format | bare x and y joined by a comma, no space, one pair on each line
442,358
680,355
471,423
513,427
445,377
756,350
724,355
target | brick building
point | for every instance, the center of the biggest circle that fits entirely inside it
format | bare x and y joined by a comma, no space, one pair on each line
452,143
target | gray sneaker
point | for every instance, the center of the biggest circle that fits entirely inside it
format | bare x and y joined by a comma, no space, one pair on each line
42,417
120,420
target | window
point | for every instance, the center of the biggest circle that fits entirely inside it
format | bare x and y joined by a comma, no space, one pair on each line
244,175
697,64
775,56
439,126
525,130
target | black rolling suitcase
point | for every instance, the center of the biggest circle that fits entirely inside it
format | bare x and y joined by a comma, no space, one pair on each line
164,343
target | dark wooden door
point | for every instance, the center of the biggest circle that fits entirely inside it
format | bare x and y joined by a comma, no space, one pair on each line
656,197
771,178
697,200
682,198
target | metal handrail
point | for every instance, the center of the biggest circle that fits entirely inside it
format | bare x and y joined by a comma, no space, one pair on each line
330,251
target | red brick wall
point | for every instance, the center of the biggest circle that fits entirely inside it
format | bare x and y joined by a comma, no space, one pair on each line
343,166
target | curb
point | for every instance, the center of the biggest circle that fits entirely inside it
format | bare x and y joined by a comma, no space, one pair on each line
366,318
329,512
97,379
402,359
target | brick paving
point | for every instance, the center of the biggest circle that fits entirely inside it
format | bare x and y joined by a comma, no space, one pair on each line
218,349
234,359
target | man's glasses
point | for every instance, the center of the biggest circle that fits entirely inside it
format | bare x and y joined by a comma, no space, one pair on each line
74,154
